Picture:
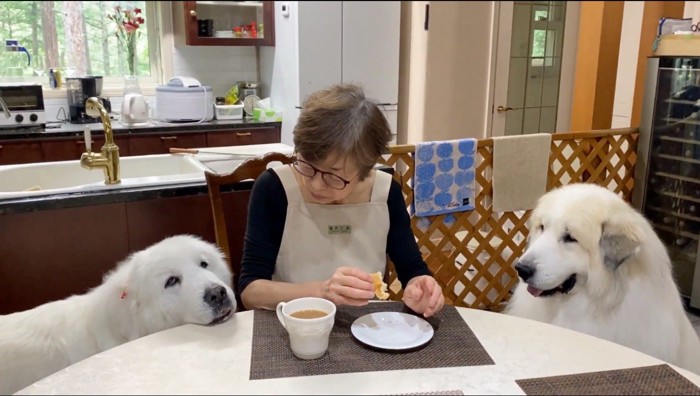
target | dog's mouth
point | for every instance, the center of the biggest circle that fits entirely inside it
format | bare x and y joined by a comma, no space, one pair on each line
564,288
223,317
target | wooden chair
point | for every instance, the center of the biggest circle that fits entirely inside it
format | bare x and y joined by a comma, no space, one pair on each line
250,169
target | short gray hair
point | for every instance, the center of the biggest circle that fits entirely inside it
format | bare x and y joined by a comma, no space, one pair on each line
340,122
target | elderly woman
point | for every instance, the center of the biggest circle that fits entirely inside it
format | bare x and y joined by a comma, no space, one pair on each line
320,226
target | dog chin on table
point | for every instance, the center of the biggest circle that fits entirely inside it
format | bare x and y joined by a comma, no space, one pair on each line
179,280
594,264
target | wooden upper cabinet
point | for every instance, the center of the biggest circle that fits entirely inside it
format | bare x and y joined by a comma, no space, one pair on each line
227,23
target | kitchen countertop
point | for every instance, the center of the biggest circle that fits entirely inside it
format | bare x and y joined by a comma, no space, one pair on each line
219,163
68,130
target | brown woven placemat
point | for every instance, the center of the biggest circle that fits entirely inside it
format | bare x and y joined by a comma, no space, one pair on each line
445,392
453,345
651,380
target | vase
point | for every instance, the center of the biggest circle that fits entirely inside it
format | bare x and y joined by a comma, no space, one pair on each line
134,104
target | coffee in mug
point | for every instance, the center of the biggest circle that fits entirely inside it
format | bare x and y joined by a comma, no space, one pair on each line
308,321
308,314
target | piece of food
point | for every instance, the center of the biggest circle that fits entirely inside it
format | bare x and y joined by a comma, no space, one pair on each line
380,288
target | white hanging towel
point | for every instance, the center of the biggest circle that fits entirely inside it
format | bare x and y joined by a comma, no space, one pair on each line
520,167
444,181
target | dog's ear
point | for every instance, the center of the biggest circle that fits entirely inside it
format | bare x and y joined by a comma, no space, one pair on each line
619,240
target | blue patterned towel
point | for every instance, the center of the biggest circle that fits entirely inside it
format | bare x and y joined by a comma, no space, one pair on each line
444,180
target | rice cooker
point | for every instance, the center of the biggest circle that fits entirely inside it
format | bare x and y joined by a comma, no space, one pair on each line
184,99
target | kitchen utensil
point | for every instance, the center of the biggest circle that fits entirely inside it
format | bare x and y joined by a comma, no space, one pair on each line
134,109
184,99
249,103
177,150
392,330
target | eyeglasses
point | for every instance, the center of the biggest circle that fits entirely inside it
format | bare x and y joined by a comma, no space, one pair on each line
332,180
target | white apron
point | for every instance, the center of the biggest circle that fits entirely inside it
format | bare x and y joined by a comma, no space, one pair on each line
317,239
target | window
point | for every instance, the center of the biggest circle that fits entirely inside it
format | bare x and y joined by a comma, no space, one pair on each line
76,37
543,44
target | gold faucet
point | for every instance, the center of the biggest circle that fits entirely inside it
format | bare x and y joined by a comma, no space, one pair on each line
108,158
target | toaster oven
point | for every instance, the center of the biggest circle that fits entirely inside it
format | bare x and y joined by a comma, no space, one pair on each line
21,105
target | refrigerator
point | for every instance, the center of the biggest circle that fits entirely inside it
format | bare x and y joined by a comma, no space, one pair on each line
338,42
667,173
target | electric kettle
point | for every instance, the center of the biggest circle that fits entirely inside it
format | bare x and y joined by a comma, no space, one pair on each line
134,110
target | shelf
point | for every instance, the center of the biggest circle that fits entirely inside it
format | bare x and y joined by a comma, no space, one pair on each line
227,13
678,196
677,177
677,158
681,101
671,213
678,140
230,3
676,232
681,121
679,69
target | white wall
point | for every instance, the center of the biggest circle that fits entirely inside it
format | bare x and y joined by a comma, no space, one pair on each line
627,63
449,72
692,10
568,66
219,67
281,79
412,86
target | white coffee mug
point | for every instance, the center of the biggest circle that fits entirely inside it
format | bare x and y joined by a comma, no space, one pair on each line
307,337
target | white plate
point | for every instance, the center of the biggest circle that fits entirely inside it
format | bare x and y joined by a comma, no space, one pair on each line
392,330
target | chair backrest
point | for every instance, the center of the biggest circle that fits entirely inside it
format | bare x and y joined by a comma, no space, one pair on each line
250,169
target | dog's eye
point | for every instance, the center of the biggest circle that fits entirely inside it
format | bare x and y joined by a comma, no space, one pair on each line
568,238
540,227
203,264
172,281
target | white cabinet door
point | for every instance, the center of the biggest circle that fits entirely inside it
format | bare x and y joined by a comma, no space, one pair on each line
370,49
320,43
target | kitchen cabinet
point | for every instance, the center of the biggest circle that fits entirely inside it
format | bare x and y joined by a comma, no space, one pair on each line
62,252
228,23
19,152
162,142
67,149
340,42
54,253
667,178
243,137
70,147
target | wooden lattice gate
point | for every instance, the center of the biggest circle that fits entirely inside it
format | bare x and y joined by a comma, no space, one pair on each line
473,256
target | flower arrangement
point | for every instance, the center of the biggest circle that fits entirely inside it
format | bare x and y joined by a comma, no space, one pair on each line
128,22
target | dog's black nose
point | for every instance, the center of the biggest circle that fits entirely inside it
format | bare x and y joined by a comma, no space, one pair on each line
525,270
216,296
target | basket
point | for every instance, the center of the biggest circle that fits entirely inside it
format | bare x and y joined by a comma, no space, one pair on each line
228,112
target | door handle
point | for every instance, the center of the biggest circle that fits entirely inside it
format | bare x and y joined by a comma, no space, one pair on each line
502,108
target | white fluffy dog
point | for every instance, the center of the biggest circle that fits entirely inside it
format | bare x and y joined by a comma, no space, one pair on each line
179,280
595,265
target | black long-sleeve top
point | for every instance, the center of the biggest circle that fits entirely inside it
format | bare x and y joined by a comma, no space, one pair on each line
267,211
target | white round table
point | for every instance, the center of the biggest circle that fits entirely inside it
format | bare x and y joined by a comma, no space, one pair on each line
194,359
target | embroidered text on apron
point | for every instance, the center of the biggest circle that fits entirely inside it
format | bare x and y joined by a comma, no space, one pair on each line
317,239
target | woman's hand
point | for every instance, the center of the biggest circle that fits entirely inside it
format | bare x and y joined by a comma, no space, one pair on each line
348,286
424,295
